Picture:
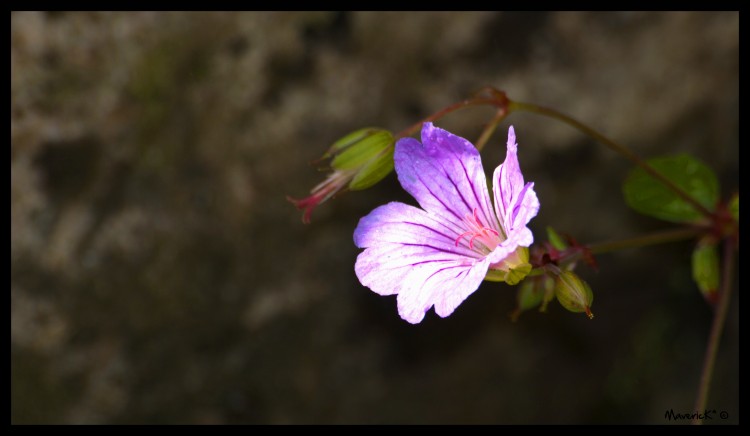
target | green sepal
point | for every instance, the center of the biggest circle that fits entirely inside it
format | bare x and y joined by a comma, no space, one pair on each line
512,269
512,276
362,151
350,139
374,171
555,239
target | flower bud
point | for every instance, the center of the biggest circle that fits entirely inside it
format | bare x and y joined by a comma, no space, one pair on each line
535,291
706,269
573,293
359,160
549,292
734,207
366,153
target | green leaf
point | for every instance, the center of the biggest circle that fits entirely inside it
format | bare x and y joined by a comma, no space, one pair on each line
706,269
555,239
651,197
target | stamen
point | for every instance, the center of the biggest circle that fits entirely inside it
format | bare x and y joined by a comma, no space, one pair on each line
461,236
476,218
487,236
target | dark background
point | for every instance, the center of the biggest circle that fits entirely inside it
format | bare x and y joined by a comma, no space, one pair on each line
158,275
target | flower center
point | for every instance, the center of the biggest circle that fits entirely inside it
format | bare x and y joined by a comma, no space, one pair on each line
478,233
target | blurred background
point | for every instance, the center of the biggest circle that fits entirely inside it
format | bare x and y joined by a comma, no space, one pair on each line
158,275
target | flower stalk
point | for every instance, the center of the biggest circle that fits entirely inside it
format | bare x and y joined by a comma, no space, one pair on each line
612,145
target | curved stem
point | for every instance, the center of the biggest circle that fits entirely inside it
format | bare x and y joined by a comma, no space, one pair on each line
618,148
717,326
645,240
414,128
662,237
490,128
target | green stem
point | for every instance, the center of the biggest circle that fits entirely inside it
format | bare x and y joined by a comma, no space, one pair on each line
646,240
622,150
662,237
717,327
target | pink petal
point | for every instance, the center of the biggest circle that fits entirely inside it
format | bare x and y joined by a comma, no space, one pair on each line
400,223
408,253
515,203
444,174
452,285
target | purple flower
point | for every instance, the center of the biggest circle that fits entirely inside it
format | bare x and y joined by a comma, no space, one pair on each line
439,255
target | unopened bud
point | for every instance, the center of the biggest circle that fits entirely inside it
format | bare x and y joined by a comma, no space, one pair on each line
533,292
706,269
359,160
573,293
734,207
366,153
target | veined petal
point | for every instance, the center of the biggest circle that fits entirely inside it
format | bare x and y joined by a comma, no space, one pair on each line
515,203
440,255
444,174
443,283
521,237
407,253
403,224
388,267
524,209
452,285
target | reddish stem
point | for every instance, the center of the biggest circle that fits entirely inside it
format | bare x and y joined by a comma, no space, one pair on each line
485,96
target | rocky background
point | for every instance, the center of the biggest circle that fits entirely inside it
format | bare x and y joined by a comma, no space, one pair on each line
158,275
